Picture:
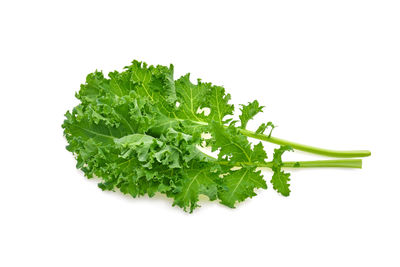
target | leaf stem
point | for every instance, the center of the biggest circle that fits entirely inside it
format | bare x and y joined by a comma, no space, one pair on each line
301,147
335,163
332,163
306,148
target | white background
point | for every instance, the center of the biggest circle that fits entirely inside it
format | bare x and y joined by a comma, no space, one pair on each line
327,72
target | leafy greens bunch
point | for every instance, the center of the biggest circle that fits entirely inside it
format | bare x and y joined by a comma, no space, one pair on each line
141,132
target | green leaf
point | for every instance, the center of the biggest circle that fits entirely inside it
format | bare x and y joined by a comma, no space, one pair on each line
138,130
234,147
280,179
261,129
218,102
248,112
193,98
240,184
196,181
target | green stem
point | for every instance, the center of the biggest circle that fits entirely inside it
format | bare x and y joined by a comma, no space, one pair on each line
306,148
333,163
301,147
336,163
